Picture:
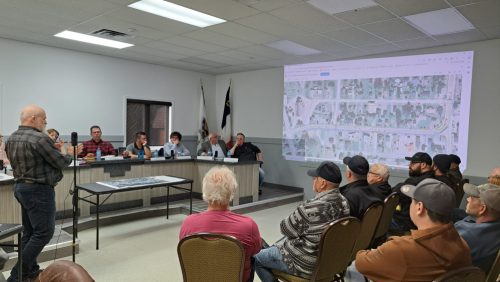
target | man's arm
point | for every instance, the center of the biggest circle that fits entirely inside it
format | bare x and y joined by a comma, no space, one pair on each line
47,149
295,224
386,263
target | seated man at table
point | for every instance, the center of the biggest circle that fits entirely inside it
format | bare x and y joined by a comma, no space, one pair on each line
175,145
219,186
90,146
246,151
140,147
3,155
213,145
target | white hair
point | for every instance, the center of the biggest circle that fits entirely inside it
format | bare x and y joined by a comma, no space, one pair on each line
381,170
219,185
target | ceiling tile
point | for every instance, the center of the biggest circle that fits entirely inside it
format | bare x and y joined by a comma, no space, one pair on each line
355,36
309,17
239,55
204,62
242,32
491,31
482,14
269,5
264,51
382,48
412,7
217,38
393,30
321,42
221,59
463,2
365,15
194,44
415,43
167,47
466,36
185,65
156,52
272,25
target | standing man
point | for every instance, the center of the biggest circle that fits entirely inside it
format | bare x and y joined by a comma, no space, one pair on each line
430,251
90,146
481,229
297,251
140,145
246,151
213,145
37,165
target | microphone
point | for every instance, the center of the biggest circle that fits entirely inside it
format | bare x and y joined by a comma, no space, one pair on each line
216,154
74,139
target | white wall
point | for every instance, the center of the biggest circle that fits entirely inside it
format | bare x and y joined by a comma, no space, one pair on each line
257,102
79,89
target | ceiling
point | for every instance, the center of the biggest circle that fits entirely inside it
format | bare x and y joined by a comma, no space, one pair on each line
239,44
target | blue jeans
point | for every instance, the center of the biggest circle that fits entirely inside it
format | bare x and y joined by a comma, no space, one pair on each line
38,211
268,259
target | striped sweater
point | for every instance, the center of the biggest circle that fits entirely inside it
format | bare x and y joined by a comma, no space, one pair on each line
303,228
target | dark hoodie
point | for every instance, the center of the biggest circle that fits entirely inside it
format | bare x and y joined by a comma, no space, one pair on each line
422,256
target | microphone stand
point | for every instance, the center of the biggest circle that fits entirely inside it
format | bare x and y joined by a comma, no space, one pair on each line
75,203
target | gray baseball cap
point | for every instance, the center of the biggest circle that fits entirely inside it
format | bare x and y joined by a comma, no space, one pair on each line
436,196
488,193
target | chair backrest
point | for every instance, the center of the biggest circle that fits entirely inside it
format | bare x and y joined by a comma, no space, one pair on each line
459,193
64,271
335,248
494,273
369,223
464,274
211,257
390,204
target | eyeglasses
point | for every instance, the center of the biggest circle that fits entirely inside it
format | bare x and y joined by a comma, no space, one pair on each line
374,173
493,176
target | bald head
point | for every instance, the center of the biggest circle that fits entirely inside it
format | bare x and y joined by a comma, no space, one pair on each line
494,177
213,138
34,116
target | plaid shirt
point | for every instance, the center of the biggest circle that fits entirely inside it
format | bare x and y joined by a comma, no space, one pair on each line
91,146
34,157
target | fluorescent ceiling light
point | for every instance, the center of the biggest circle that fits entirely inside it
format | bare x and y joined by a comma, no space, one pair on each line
176,12
292,48
92,39
338,6
440,22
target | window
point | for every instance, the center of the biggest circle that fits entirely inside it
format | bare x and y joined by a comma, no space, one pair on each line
151,117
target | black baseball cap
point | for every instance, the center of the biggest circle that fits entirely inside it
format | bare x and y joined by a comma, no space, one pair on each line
436,196
442,162
455,159
357,164
420,157
328,171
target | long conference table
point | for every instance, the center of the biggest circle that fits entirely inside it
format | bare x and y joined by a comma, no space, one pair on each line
247,175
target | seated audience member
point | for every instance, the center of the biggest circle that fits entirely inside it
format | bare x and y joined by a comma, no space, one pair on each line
213,145
297,251
455,167
430,251
54,135
494,177
418,170
441,166
481,229
378,177
357,191
246,151
219,186
139,146
64,271
175,145
3,155
90,146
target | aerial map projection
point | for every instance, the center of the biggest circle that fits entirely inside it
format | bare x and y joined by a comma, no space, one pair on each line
384,109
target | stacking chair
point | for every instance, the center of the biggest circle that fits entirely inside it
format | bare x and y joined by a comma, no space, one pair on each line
494,274
334,253
390,204
464,274
208,257
369,224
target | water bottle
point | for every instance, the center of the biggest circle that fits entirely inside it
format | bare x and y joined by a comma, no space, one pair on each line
140,154
98,154
228,153
155,154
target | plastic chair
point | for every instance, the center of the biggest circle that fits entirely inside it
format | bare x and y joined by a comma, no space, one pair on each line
208,257
464,274
368,226
334,255
390,204
494,274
